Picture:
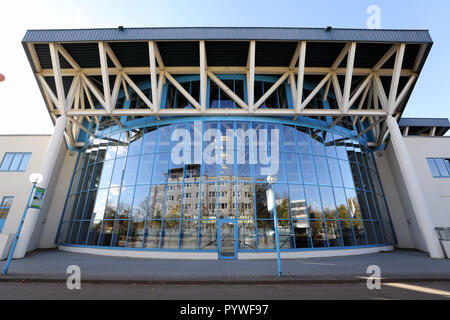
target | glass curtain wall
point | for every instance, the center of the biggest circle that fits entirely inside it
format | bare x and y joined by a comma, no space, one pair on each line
130,189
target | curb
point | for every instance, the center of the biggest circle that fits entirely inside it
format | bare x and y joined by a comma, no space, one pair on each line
224,282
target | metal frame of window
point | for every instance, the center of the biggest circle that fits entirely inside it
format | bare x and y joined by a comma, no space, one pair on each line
77,224
24,156
442,171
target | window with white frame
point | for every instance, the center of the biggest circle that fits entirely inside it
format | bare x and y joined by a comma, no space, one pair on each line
15,162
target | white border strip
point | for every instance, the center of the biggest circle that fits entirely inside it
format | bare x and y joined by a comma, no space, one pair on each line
214,255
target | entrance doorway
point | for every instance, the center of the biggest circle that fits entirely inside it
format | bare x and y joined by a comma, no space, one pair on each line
227,239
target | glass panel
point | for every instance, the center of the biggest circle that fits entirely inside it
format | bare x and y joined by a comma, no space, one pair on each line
227,240
330,148
335,171
313,202
289,139
353,204
285,235
208,235
111,205
164,139
298,202
334,233
118,172
302,234
149,142
323,174
161,172
329,207
173,201
226,199
122,146
245,198
189,234
136,236
24,164
119,238
153,234
135,142
347,174
308,169
141,202
443,172
16,162
6,163
191,200
209,200
94,233
129,176
317,142
125,203
261,201
266,234
106,233
360,233
247,235
292,168
145,169
304,141
282,201
171,231
319,234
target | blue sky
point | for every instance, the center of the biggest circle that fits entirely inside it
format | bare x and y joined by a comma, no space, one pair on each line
30,116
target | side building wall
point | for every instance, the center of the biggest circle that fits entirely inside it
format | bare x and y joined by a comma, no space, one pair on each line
435,190
17,184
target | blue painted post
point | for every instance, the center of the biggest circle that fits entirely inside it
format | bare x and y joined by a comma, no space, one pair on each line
277,237
13,247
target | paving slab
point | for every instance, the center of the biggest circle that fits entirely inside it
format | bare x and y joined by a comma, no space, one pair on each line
51,265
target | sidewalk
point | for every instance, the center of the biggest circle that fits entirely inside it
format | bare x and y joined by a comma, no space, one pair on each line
400,265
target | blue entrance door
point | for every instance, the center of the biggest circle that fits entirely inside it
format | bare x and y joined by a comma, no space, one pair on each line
227,239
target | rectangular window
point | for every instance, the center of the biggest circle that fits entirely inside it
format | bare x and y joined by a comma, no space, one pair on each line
5,205
440,168
15,162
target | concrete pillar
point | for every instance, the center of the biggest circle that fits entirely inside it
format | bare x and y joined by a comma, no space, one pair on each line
46,171
419,204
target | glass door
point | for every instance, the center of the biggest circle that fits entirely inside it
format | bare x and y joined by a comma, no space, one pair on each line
228,240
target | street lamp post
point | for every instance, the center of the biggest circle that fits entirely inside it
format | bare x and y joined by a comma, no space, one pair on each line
272,180
35,179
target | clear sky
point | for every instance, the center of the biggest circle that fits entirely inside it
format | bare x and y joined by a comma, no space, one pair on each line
22,109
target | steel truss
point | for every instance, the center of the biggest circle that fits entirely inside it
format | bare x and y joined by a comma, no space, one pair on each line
366,100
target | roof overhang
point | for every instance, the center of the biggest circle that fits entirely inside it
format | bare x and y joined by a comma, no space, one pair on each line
371,72
424,126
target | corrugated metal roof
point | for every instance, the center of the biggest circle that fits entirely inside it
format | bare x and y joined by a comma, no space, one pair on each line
424,122
228,33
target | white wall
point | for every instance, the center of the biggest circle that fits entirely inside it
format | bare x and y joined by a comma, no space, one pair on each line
436,190
17,184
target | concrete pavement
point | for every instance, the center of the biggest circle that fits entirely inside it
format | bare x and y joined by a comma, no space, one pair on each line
400,265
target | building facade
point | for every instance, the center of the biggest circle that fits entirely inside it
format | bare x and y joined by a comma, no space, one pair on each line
164,139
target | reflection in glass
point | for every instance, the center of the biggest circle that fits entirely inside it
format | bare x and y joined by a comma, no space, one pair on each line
126,191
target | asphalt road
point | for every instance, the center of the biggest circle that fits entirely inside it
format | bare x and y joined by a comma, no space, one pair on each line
359,291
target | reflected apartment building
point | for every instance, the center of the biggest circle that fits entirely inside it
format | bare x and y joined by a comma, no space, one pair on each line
354,177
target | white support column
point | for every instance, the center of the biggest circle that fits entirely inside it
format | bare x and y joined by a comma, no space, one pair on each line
203,76
251,76
419,204
48,164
